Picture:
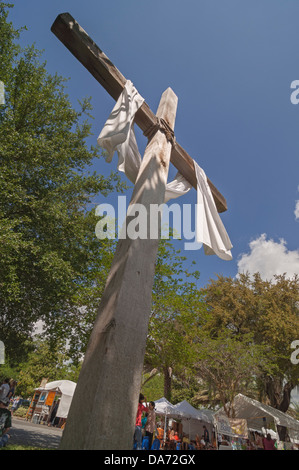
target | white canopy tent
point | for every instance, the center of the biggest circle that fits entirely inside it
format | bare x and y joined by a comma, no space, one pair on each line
192,419
259,416
163,406
185,410
66,388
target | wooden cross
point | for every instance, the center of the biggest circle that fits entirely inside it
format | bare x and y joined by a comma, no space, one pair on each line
103,409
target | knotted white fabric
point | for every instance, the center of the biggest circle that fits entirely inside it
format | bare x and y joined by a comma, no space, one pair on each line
118,132
118,135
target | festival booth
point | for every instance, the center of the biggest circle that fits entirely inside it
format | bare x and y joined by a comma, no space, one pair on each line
193,420
184,418
164,408
51,400
250,415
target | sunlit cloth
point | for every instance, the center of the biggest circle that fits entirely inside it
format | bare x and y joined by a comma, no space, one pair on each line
118,135
118,132
209,227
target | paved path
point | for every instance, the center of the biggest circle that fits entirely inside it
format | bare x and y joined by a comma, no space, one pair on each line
35,435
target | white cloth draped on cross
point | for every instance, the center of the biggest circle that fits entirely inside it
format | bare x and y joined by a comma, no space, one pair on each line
118,135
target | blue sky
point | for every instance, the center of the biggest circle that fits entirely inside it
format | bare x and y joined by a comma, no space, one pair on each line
231,64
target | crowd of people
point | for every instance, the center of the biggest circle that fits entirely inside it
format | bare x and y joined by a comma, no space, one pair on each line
256,441
173,440
150,434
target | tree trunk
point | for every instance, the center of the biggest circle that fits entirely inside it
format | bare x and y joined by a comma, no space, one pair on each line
167,383
279,394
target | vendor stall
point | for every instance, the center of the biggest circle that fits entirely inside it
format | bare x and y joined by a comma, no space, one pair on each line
188,420
194,420
260,417
50,401
164,408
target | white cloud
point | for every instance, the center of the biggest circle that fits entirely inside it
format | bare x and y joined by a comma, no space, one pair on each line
269,258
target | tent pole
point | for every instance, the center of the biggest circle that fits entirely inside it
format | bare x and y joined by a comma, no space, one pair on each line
165,424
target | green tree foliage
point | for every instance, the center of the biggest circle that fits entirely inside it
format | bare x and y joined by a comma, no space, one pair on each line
45,361
152,385
268,311
229,364
50,258
234,336
176,308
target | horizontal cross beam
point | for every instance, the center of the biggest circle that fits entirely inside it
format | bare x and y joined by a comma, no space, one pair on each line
73,36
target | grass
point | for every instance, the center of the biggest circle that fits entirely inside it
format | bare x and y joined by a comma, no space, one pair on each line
19,447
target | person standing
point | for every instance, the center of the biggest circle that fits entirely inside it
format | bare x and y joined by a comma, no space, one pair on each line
259,441
51,420
17,402
268,443
206,436
138,429
4,389
160,434
143,424
5,421
12,389
151,421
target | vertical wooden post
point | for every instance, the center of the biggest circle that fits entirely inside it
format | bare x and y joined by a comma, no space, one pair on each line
104,406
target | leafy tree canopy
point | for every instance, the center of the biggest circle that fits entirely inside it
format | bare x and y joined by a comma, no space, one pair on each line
269,312
49,254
